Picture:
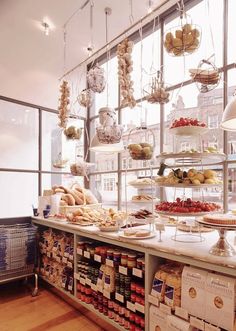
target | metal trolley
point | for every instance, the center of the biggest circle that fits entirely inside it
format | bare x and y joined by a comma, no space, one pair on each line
18,253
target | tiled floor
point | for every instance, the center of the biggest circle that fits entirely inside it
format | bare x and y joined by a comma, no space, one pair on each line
19,311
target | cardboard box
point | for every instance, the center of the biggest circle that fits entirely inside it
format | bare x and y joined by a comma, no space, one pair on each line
157,319
177,324
193,294
220,301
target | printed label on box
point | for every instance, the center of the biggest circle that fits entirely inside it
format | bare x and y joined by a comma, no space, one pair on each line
157,319
176,324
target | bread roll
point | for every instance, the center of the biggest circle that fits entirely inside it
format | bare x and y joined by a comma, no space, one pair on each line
69,199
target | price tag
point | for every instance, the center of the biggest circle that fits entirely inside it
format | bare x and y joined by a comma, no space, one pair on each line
119,297
48,254
181,312
58,259
165,309
107,294
88,281
123,270
94,287
153,300
76,276
82,281
197,323
109,263
87,255
131,306
64,260
139,307
97,258
69,264
209,327
79,251
137,272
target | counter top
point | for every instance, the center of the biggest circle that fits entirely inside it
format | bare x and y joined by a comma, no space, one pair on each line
198,251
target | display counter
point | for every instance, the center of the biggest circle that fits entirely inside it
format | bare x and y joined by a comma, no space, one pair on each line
155,252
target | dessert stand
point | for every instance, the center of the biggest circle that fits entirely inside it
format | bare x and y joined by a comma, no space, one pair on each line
222,247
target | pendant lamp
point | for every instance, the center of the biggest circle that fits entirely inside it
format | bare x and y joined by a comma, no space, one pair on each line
228,122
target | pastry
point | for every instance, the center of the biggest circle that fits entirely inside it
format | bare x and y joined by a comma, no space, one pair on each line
130,232
222,219
143,233
69,199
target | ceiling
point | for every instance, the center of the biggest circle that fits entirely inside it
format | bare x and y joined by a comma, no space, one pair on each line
31,63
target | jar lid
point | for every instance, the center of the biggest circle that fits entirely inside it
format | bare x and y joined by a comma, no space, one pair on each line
132,255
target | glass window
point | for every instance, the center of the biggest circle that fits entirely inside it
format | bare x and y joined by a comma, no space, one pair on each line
18,136
19,193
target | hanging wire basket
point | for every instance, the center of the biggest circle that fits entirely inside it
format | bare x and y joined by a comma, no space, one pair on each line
157,91
109,134
145,149
96,79
183,39
85,98
73,133
207,76
81,167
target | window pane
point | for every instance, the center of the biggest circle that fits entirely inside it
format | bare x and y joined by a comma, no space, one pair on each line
18,192
232,30
206,107
232,187
231,136
56,147
18,137
105,189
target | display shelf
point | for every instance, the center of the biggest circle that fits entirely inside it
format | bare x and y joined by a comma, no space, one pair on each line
192,186
87,306
188,159
188,131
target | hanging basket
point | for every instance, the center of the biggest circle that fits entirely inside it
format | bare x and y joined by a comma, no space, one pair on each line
73,133
183,39
157,91
81,168
109,134
96,79
85,98
206,76
145,149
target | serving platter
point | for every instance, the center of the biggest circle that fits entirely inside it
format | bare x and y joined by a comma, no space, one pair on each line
188,130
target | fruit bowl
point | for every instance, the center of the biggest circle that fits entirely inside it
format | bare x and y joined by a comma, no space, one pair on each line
188,130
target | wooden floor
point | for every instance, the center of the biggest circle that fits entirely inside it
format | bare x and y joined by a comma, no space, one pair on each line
19,311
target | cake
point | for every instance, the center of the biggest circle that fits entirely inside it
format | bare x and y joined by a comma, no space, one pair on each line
222,219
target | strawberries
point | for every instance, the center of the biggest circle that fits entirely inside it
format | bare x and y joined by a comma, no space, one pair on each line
187,121
187,206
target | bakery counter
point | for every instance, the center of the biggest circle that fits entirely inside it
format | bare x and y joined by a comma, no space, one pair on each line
196,254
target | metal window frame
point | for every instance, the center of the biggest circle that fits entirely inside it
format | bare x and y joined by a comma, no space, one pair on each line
224,69
39,170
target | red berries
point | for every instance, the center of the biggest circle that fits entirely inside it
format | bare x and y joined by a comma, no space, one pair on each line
187,121
187,206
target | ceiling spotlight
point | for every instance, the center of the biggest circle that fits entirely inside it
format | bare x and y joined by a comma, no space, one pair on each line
150,6
46,28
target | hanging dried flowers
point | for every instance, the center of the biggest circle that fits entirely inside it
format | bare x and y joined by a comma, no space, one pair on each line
63,108
85,98
125,67
96,79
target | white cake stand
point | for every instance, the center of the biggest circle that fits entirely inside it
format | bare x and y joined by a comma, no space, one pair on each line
222,247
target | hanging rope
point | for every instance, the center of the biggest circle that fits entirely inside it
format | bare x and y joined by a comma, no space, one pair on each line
141,67
91,26
131,17
64,49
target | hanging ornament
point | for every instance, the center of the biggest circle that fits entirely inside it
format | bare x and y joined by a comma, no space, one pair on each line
73,132
185,38
96,79
144,149
206,76
156,91
125,67
64,104
85,98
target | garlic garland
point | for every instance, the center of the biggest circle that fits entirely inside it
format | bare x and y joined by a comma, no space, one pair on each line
63,106
125,67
